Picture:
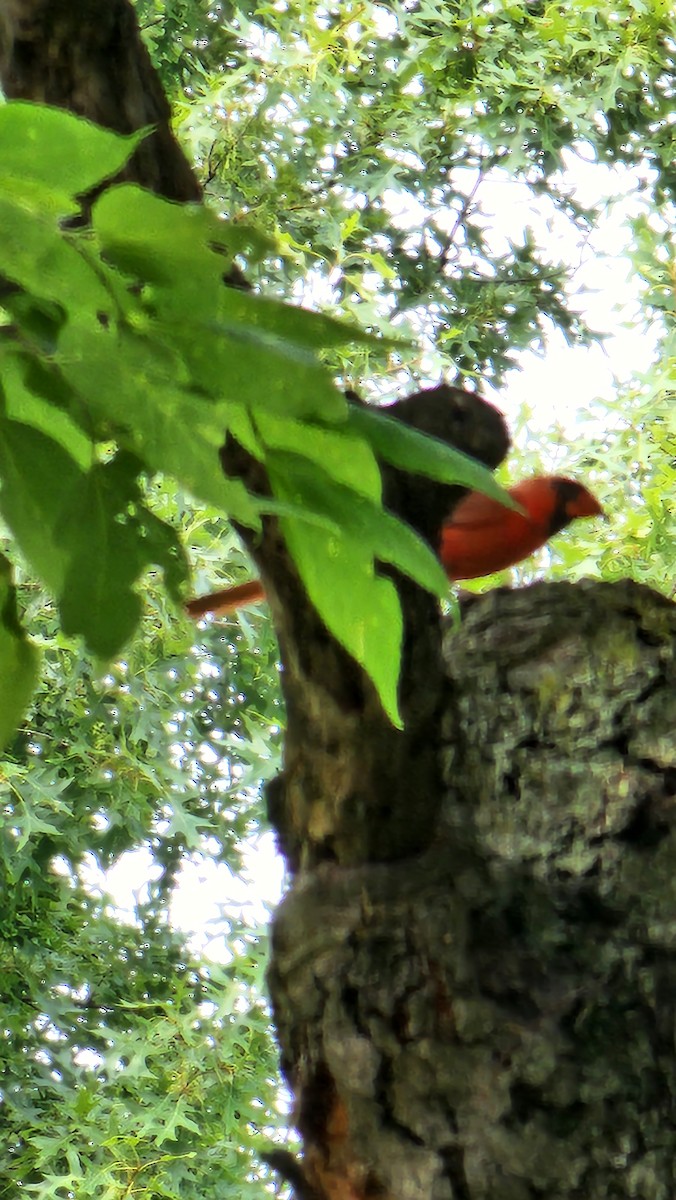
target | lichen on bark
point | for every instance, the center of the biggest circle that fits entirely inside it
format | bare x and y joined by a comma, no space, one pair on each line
494,1018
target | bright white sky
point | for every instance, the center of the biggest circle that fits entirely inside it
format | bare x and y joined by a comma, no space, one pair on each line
557,387
563,383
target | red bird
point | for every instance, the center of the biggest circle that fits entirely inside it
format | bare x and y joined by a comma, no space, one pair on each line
480,537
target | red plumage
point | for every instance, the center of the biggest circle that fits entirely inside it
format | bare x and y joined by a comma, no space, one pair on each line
480,536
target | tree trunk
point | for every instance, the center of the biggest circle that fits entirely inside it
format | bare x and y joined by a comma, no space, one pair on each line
474,970
494,1018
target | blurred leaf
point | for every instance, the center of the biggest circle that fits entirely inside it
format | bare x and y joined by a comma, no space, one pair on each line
339,569
19,660
38,479
107,554
410,450
54,155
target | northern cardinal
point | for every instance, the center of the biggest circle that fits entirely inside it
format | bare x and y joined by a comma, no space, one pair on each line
480,537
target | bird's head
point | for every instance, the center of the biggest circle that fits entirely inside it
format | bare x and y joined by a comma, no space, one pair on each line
573,500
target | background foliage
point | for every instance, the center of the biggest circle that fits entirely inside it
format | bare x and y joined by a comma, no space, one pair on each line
350,147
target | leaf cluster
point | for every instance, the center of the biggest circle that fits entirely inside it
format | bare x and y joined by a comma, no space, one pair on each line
367,139
124,355
127,1068
128,1063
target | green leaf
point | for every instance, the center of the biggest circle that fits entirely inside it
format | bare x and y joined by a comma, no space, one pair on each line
382,535
175,1117
248,365
87,534
24,406
407,448
35,254
229,339
19,660
346,456
162,242
38,478
54,148
108,552
360,608
293,325
130,384
339,569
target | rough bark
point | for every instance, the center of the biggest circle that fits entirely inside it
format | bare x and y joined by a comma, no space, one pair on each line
495,1018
